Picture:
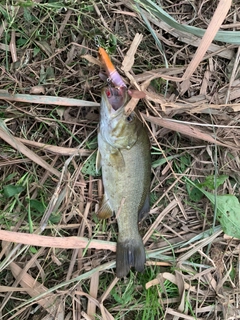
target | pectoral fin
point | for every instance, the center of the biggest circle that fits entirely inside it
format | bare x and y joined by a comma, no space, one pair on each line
116,159
98,161
105,210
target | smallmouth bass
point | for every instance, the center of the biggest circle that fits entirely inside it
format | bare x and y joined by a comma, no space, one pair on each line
124,155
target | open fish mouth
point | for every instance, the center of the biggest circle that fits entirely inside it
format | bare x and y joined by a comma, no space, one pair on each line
116,96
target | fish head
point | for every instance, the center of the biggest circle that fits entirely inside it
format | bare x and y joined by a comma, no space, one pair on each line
119,129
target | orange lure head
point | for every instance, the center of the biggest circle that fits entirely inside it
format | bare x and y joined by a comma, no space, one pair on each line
112,73
106,61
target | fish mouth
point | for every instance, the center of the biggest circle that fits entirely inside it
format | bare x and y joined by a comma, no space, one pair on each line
116,97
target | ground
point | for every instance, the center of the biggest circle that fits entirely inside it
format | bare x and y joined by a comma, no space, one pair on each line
57,257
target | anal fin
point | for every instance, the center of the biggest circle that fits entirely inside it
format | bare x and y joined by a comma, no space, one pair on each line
105,210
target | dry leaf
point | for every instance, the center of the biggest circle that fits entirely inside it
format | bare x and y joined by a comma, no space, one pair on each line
181,290
4,95
151,283
213,27
55,149
94,282
51,303
190,131
137,94
55,242
10,139
91,59
130,106
37,90
128,61
158,73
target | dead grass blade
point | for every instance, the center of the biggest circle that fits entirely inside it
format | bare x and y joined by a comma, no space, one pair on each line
55,242
109,289
190,131
10,139
126,67
92,59
55,149
51,303
105,295
12,289
12,46
200,245
187,37
131,105
179,315
91,308
129,59
85,316
217,19
171,205
86,275
69,102
213,49
148,76
234,74
105,313
158,11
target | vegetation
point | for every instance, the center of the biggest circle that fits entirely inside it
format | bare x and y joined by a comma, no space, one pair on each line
57,257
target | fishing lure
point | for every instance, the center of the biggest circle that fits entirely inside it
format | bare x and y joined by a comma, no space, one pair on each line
112,73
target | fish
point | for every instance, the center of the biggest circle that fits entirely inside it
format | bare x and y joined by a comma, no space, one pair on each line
111,71
124,156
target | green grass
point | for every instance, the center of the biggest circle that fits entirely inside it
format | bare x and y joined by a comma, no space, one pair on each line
138,302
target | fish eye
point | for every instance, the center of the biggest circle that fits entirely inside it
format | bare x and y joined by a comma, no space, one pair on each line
130,118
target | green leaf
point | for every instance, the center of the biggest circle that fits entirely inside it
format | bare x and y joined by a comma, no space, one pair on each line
27,3
4,13
36,50
163,160
89,167
33,250
228,212
211,184
10,177
27,15
11,190
112,44
184,162
21,42
92,144
55,217
193,190
195,194
37,205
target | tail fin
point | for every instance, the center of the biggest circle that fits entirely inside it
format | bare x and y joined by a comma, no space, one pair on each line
130,253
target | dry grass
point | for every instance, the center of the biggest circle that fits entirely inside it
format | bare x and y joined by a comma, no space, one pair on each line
57,258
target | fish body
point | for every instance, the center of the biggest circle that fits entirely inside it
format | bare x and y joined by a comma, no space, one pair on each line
112,73
124,155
